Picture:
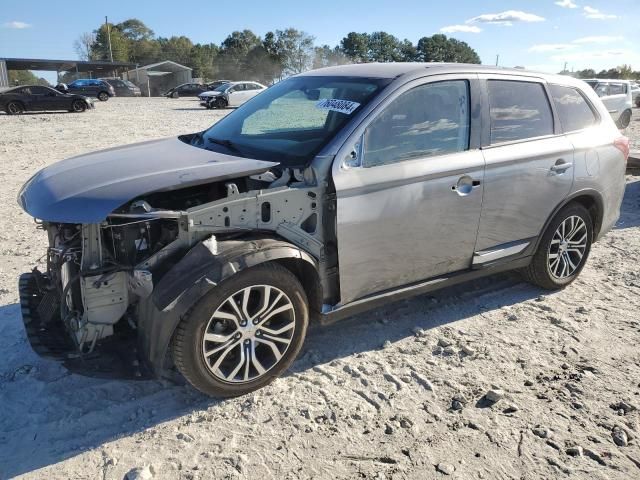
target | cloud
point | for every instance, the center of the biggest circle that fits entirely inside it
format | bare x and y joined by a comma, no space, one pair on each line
552,47
506,18
566,4
591,55
596,14
599,39
461,28
16,25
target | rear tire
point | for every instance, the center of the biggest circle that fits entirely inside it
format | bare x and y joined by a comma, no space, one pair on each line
103,96
563,249
14,108
231,342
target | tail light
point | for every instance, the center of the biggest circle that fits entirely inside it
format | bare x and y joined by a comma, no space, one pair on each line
622,144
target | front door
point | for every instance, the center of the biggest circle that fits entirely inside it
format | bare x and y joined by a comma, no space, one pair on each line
529,164
410,202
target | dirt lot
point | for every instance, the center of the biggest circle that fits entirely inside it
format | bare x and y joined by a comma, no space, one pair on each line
396,393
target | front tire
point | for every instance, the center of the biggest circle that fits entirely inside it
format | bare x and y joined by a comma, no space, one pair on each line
563,249
14,108
244,333
103,96
78,106
220,103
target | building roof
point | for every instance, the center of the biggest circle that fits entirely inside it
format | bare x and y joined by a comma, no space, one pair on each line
166,66
64,65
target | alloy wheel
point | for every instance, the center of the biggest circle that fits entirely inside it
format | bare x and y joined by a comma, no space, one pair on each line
568,247
248,334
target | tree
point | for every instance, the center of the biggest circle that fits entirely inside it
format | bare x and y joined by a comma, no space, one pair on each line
356,46
439,48
295,50
625,71
25,77
586,73
135,30
176,49
119,45
383,47
234,51
325,56
83,45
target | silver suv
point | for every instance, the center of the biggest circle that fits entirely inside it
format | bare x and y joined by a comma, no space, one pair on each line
330,193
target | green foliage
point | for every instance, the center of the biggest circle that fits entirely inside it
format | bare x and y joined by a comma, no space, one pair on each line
439,48
243,54
25,77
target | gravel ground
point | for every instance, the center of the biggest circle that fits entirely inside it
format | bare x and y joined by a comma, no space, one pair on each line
494,379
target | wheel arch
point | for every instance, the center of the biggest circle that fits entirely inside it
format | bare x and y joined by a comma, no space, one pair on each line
590,199
201,269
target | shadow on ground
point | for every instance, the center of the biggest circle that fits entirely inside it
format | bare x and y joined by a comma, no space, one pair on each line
50,415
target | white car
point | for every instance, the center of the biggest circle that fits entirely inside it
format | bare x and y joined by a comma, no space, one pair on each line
232,94
616,96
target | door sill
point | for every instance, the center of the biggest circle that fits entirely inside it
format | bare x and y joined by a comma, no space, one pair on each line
331,314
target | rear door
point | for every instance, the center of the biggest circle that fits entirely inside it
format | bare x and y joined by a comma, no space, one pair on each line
529,166
618,99
409,208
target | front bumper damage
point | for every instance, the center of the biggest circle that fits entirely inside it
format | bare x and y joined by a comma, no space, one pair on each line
39,302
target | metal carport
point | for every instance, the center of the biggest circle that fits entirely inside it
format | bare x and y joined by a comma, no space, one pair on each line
90,69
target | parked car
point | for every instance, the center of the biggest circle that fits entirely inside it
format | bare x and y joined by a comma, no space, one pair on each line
31,98
616,96
123,88
232,94
186,90
335,191
215,84
635,94
89,88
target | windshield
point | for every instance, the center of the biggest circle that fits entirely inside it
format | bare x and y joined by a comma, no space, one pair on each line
291,121
128,83
221,88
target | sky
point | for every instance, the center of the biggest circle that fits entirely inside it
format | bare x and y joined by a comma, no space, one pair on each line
536,34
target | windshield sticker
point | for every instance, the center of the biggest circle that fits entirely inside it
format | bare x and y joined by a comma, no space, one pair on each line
336,105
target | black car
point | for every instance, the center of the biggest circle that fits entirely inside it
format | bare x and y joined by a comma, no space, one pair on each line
123,88
38,98
89,88
186,90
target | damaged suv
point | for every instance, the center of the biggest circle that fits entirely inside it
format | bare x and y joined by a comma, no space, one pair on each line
330,193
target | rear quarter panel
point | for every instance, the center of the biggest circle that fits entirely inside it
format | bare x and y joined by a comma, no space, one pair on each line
599,165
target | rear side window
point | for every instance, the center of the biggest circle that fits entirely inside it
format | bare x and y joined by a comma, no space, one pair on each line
617,89
519,110
573,110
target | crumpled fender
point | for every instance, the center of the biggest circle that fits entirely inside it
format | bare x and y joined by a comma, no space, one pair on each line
206,265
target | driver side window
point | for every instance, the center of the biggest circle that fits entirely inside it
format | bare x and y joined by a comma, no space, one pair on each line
428,120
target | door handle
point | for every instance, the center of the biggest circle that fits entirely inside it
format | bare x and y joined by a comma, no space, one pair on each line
465,185
560,166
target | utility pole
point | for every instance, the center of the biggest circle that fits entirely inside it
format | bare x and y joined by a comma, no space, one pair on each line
497,59
106,24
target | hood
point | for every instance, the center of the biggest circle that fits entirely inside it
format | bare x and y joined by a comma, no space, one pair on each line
87,188
211,93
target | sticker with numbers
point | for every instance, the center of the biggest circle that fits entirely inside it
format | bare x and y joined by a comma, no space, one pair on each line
336,105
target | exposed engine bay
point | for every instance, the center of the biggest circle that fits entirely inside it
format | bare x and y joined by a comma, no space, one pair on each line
97,274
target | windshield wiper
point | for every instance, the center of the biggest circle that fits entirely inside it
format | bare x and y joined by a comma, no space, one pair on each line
225,143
